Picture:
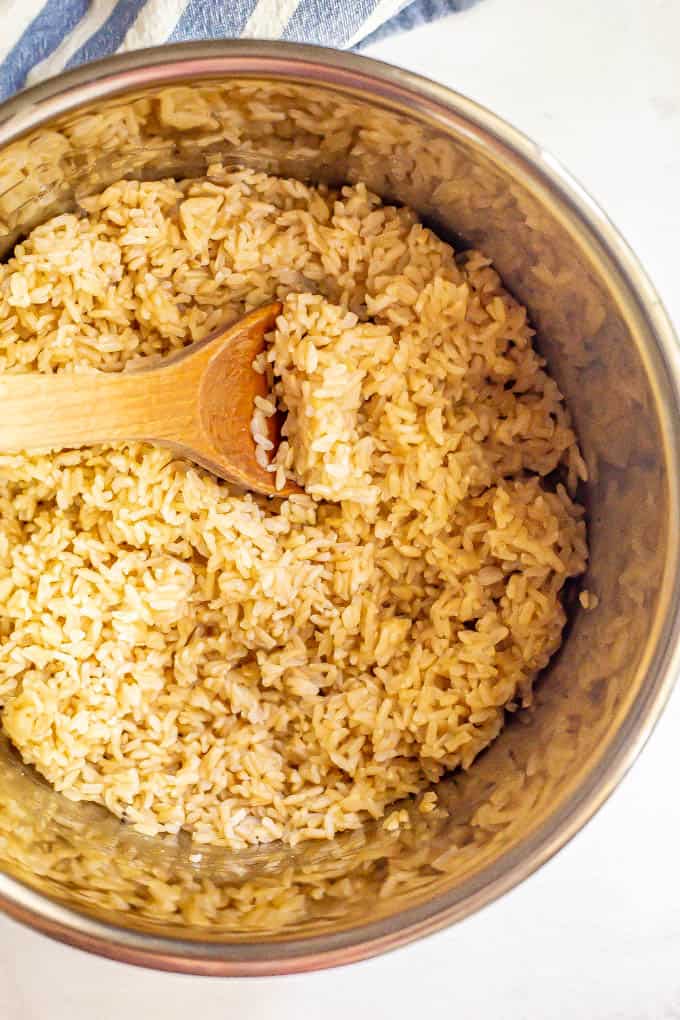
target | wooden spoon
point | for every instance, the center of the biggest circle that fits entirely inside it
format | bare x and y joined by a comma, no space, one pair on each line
198,401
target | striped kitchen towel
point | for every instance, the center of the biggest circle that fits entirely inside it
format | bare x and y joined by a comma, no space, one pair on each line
39,38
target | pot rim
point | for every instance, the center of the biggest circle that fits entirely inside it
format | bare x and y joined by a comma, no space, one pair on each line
402,91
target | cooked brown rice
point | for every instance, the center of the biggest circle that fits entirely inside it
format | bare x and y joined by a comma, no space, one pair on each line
245,670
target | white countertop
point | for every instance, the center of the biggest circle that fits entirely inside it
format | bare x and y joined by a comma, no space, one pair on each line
595,935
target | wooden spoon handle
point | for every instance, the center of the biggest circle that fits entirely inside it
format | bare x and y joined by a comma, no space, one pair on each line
40,411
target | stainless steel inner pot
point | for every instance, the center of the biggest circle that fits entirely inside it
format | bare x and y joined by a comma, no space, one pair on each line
74,871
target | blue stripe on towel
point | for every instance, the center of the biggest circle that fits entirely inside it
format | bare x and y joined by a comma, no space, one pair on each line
331,25
110,35
212,19
48,30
